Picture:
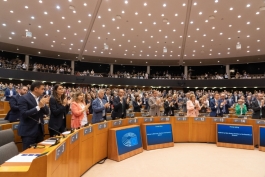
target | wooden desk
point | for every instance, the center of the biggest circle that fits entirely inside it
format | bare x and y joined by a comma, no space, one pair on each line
4,107
200,129
181,129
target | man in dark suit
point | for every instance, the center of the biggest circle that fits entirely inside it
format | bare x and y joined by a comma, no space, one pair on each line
14,114
145,101
47,91
107,97
99,106
32,108
214,105
120,105
169,106
9,92
235,97
223,104
257,107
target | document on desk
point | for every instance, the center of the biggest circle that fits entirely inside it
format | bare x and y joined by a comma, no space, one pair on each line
23,158
48,142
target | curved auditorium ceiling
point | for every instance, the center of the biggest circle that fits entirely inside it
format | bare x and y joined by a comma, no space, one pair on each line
135,30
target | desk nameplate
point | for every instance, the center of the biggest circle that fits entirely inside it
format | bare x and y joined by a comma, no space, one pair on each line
60,150
88,130
218,119
74,138
102,126
133,121
199,119
148,119
181,118
15,126
117,123
164,119
262,122
242,121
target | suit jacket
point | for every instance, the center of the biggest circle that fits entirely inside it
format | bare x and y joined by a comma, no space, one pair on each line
29,122
154,109
58,114
248,104
191,111
77,115
145,102
225,107
235,98
168,110
230,102
184,105
108,110
14,114
214,108
117,110
98,110
7,93
256,110
136,107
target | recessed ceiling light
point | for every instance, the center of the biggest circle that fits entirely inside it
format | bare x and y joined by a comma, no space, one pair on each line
195,41
157,42
202,45
18,21
145,4
248,5
248,23
26,7
176,15
89,15
45,13
149,14
122,12
231,8
183,4
180,36
182,23
58,7
129,40
191,22
10,37
164,5
212,40
136,13
154,23
126,2
69,26
248,36
204,35
197,29
195,3
258,40
132,29
215,11
230,25
206,21
63,17
200,13
103,26
168,23
40,1
258,28
75,34
257,13
98,37
213,27
4,24
174,30
248,47
120,45
216,1
32,17
64,38
229,38
228,52
113,19
85,4
248,51
239,16
53,41
11,11
99,16
58,31
32,42
46,34
238,31
39,26
258,50
221,33
79,21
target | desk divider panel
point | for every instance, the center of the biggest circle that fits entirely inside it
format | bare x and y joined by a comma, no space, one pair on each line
181,129
74,154
200,129
213,122
86,149
100,141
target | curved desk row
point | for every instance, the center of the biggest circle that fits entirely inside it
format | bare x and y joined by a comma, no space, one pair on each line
79,151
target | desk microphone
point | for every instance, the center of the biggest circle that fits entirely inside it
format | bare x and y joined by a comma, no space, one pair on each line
48,127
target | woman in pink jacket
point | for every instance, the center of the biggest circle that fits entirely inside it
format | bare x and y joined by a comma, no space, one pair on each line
79,110
193,107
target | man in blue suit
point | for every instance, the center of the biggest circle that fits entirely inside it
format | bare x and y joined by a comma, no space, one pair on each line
32,108
214,105
9,92
14,114
99,106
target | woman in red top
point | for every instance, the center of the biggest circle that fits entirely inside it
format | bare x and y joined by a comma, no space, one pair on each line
79,110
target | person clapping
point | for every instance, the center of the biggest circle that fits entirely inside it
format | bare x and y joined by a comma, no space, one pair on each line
240,108
79,110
